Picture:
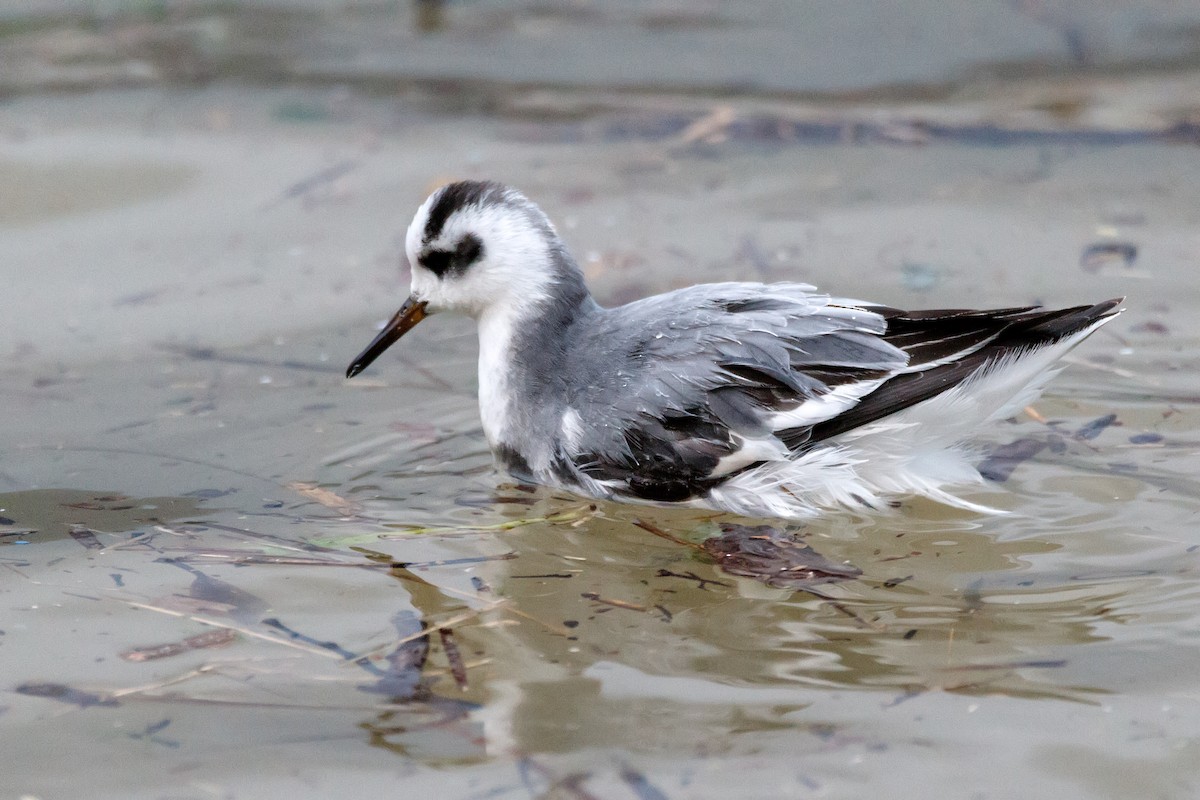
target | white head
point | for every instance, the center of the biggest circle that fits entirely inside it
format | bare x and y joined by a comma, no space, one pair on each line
475,246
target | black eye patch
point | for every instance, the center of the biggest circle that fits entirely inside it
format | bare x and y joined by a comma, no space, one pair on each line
436,261
454,262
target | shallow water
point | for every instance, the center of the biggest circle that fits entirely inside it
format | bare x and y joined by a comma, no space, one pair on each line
234,574
1031,647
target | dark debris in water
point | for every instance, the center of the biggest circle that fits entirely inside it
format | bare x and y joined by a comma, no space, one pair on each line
296,636
86,537
1153,326
701,583
1146,438
640,785
103,503
1094,428
541,781
1101,254
209,494
774,557
1003,460
213,595
399,673
766,554
150,734
458,668
392,730
65,694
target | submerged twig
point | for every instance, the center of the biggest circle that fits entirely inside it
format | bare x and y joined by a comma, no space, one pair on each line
244,631
325,497
275,541
575,516
215,638
572,515
608,601
670,537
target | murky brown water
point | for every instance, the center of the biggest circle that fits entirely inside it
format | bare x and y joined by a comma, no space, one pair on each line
233,574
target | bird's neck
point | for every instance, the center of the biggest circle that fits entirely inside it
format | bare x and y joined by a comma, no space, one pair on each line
523,350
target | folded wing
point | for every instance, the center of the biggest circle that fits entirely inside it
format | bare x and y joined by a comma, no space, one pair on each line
710,381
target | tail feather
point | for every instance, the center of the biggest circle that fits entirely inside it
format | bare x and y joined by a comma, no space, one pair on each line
906,436
1015,332
1065,322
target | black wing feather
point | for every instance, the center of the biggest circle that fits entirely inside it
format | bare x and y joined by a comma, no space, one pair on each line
1010,330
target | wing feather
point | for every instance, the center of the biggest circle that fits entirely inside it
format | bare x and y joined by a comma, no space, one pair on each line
679,391
716,370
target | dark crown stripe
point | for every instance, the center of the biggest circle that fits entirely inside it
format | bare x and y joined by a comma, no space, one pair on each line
453,197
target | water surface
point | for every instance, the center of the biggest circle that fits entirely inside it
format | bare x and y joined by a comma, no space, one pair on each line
234,574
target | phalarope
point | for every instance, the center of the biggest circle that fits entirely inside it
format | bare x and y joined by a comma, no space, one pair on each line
766,400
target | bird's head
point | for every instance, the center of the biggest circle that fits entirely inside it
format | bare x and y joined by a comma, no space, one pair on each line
474,246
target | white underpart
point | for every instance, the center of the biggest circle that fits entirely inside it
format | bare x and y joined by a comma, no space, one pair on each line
822,478
916,451
496,329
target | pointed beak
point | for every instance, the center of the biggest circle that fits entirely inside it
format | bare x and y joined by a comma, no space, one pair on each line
412,312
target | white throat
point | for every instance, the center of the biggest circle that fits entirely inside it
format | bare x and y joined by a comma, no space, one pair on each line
498,326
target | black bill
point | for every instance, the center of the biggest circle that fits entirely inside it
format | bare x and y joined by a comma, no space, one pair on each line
412,312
